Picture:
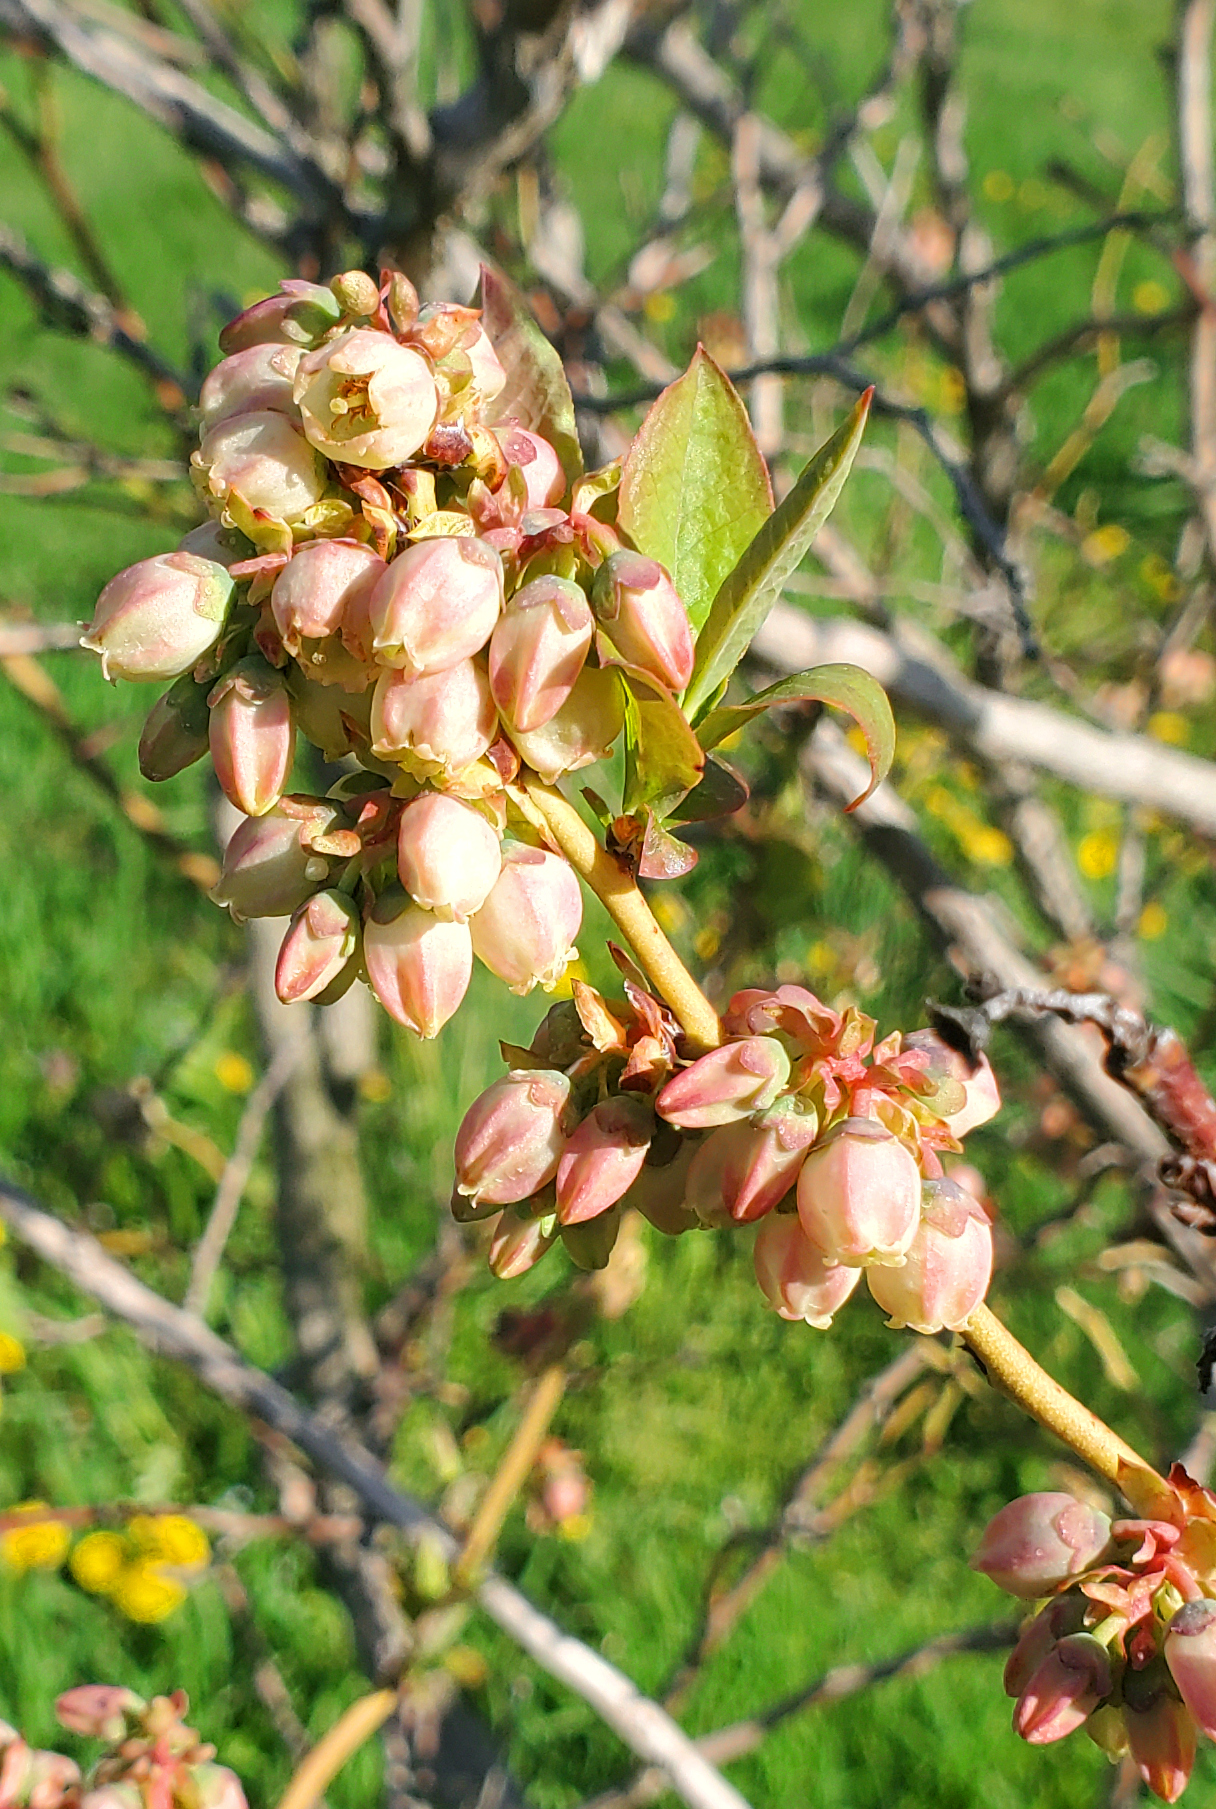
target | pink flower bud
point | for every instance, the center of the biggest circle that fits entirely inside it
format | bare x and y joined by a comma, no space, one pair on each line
252,735
100,1711
538,650
544,481
267,870
419,966
260,377
859,1194
439,722
436,604
1064,1691
300,313
1039,1541
175,733
113,1796
1190,1653
794,1276
742,1170
1162,1738
448,856
212,540
51,1780
1066,1614
489,378
320,584
983,1099
525,930
582,731
729,1083
643,617
518,1242
265,460
216,1787
318,948
512,1136
603,1157
156,619
365,399
946,1272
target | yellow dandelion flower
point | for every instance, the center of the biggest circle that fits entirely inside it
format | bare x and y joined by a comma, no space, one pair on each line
144,1593
659,305
998,185
171,1538
574,1527
97,1561
1105,543
233,1072
41,1545
1098,853
12,1354
1150,297
1153,921
988,847
1168,726
671,911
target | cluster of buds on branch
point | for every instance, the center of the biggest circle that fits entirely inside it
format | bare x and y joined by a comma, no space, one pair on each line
798,1118
1125,1644
401,572
152,1760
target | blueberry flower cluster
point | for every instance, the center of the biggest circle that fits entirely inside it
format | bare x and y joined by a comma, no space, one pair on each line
798,1119
152,1760
400,571
1125,1643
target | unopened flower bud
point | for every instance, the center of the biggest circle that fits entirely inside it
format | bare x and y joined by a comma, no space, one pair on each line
1190,1653
300,313
1065,1614
252,735
859,1194
260,377
1161,1735
448,856
175,733
582,731
982,1096
538,649
1069,1684
441,721
948,1266
1039,1541
212,540
643,617
365,399
742,1170
100,1711
119,1795
541,479
265,459
603,1157
356,292
216,1787
318,948
489,378
51,1779
419,965
319,587
267,871
729,1083
794,1276
518,1242
525,930
436,604
512,1136
156,619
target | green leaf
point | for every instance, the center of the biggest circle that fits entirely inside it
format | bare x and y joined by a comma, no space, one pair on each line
721,792
663,759
536,394
695,489
845,688
750,590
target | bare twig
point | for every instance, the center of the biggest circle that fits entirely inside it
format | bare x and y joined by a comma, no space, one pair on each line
166,1329
1194,103
511,1473
210,1248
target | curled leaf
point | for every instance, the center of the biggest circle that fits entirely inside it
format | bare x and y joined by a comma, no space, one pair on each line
845,688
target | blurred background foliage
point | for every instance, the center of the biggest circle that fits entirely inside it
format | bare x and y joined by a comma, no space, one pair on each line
696,1409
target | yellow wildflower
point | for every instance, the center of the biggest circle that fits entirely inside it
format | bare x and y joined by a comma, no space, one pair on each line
39,1546
12,1354
1150,297
97,1561
1153,921
1098,853
1105,543
233,1072
1168,726
172,1539
144,1593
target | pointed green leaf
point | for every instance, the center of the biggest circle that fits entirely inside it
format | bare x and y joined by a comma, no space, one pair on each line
721,792
663,759
537,394
695,488
750,590
845,688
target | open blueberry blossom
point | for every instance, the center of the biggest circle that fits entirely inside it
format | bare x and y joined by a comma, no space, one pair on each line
1123,1643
